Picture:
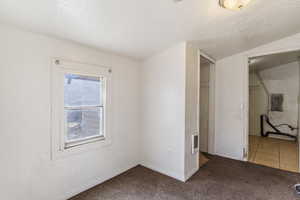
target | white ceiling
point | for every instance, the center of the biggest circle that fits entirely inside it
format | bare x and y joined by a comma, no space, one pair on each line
204,61
139,28
273,60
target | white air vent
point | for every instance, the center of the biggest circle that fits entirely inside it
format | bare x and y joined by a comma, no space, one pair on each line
195,143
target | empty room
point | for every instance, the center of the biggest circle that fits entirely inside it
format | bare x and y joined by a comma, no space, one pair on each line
149,100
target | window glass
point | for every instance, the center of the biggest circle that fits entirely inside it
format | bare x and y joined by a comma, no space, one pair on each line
83,108
82,90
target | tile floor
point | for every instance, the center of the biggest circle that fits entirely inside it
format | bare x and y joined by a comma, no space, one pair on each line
276,153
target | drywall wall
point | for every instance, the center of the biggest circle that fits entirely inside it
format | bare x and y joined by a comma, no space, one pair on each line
204,106
163,111
192,89
284,80
229,116
26,170
232,96
169,108
258,103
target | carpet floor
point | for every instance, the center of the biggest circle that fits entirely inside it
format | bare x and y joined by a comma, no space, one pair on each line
219,179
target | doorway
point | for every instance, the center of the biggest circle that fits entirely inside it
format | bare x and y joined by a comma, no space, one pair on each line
274,110
206,106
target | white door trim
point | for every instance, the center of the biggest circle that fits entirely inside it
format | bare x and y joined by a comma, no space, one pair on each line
212,80
299,120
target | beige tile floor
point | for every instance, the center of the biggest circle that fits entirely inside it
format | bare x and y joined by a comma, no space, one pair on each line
276,153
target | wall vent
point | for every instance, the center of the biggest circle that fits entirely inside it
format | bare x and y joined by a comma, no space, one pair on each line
195,143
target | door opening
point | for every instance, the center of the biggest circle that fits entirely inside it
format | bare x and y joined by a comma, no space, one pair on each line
274,110
206,107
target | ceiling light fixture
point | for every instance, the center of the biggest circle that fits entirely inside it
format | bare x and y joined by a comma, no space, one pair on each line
233,4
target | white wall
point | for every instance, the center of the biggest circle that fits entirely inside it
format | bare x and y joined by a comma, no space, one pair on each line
232,92
26,170
163,111
258,103
204,106
192,89
228,113
170,88
284,80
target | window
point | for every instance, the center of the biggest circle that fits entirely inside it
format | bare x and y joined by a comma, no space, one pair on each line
80,106
83,108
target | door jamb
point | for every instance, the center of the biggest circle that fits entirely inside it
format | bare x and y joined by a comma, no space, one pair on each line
212,90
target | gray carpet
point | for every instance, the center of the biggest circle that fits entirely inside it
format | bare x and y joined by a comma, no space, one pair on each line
219,179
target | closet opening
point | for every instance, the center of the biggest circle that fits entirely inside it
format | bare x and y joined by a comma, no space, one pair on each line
206,108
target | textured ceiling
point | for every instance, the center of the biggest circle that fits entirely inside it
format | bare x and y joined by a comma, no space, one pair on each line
140,28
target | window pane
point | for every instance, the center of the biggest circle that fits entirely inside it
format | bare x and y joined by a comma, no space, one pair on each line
81,124
82,90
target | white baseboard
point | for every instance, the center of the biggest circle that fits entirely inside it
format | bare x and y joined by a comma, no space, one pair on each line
166,172
98,181
190,174
229,156
92,183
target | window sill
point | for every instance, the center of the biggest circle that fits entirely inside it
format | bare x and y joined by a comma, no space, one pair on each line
89,146
76,143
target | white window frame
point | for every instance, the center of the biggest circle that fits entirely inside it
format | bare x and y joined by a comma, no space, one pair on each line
76,142
61,67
